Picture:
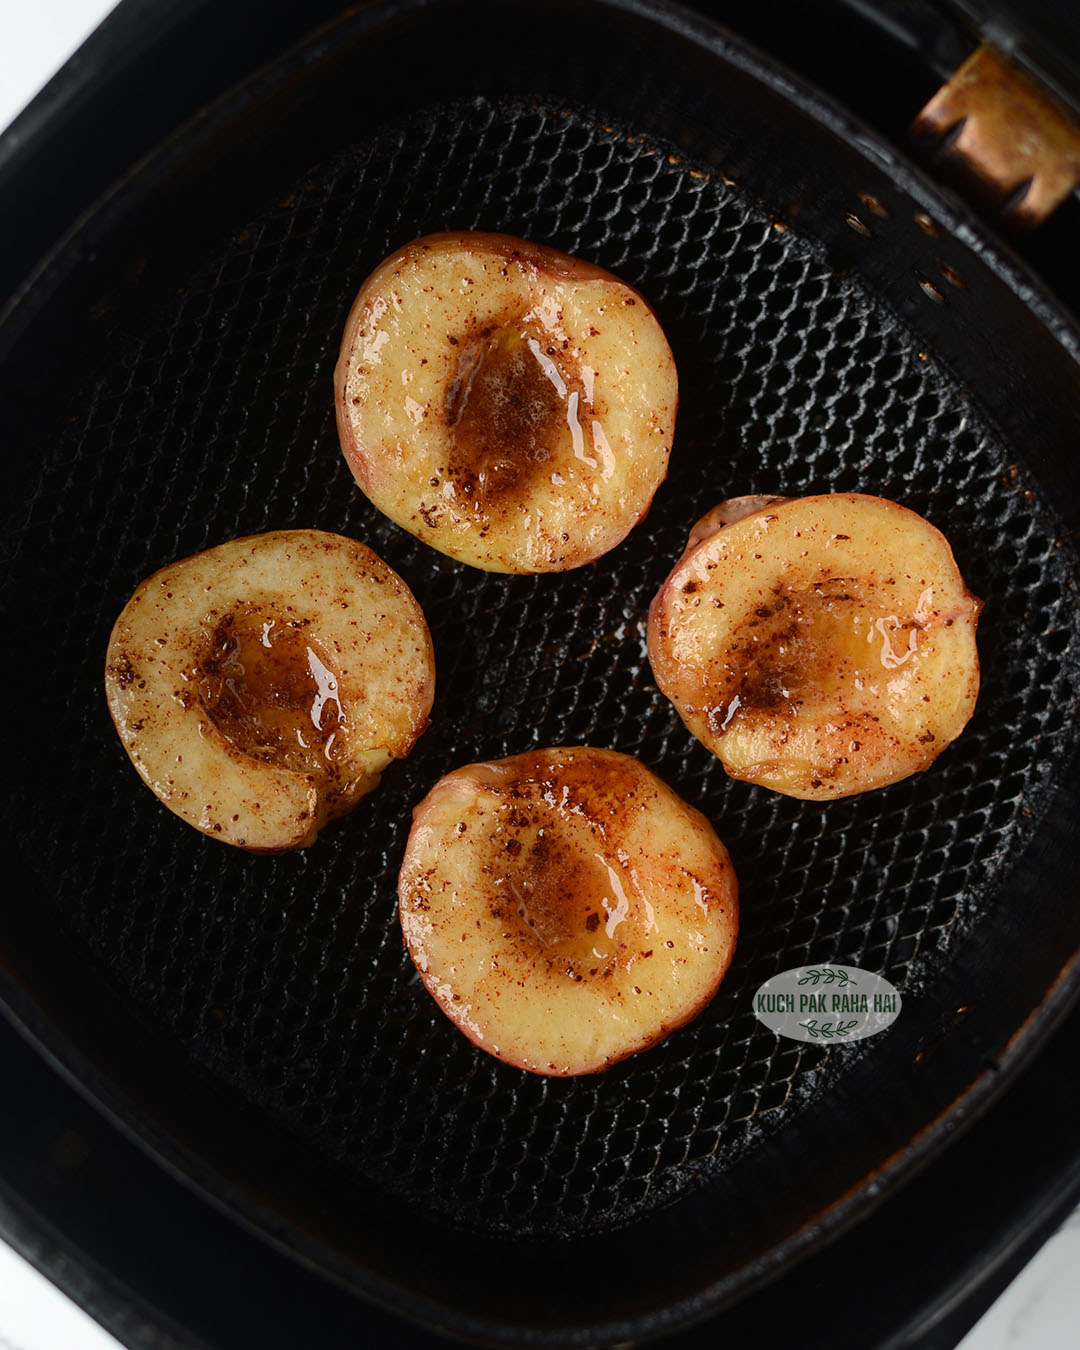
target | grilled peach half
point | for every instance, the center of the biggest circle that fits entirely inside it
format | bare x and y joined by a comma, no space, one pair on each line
261,688
820,646
508,404
565,908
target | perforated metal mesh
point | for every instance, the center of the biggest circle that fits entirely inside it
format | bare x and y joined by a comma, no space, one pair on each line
286,977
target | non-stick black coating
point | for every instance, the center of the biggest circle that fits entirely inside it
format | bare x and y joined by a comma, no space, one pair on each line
189,400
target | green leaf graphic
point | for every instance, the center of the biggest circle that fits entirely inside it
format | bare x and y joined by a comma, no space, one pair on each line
827,1030
826,975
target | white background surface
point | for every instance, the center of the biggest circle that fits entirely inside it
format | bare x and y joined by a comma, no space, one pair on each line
1039,1311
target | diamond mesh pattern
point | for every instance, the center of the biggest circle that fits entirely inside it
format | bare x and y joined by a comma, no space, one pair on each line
286,977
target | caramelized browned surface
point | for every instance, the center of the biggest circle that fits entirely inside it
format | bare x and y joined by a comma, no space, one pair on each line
801,647
271,690
503,411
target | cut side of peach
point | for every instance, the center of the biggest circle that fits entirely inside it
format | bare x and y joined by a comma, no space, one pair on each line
506,403
565,907
820,646
260,688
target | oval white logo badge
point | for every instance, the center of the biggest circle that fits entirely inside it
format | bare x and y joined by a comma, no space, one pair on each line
827,1004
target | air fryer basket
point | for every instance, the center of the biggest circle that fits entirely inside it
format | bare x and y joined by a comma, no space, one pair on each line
837,326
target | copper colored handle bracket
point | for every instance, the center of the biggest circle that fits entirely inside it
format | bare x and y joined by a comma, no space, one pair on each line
1006,142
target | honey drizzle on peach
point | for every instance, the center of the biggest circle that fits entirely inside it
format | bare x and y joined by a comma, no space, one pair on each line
269,688
566,900
824,645
519,388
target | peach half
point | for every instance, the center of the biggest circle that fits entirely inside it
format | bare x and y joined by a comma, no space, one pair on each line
260,688
565,908
820,646
506,403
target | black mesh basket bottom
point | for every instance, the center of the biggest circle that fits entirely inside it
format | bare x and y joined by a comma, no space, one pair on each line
285,978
